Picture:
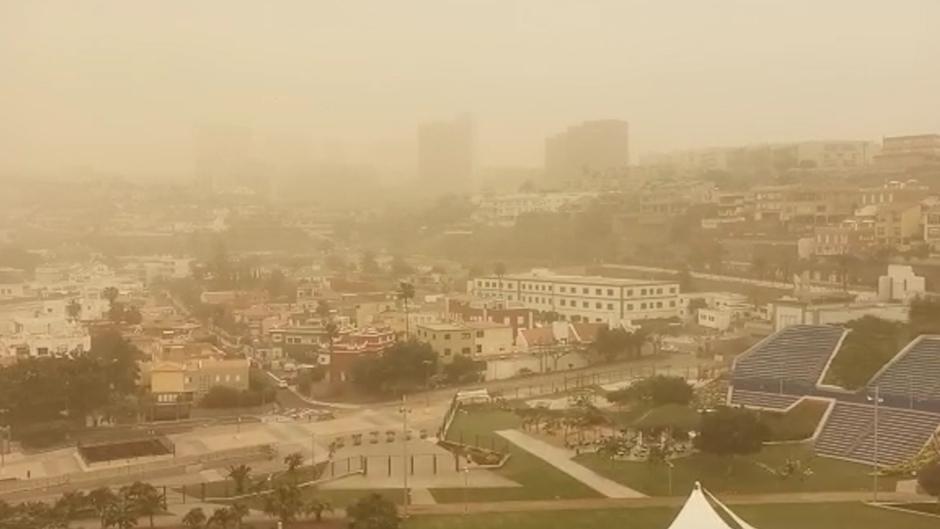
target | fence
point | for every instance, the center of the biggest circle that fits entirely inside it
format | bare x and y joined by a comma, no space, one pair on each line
151,469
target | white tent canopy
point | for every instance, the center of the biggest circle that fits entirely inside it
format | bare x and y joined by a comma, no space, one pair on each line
700,513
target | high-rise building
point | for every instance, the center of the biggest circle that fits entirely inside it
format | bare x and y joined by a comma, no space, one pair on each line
446,155
590,155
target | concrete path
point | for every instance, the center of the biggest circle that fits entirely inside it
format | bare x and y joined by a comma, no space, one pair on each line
561,459
422,497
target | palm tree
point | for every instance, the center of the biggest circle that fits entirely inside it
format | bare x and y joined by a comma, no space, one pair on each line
145,499
323,309
500,270
239,512
317,507
195,518
240,475
101,500
121,515
284,503
70,505
293,461
406,291
73,309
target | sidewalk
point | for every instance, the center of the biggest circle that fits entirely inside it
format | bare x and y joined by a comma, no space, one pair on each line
561,459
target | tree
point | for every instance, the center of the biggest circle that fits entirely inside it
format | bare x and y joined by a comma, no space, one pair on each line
406,291
120,515
222,518
132,315
463,370
324,310
101,500
929,479
658,390
240,474
239,512
403,367
728,432
73,309
70,505
195,518
284,503
293,462
317,507
110,294
145,500
373,512
925,316
499,269
611,342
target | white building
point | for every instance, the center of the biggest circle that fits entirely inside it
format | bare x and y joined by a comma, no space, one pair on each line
900,284
491,339
584,298
41,336
503,210
787,312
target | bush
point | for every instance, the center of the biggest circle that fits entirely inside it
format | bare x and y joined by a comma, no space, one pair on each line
220,397
42,435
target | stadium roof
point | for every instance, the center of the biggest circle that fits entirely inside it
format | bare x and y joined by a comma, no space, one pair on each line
704,511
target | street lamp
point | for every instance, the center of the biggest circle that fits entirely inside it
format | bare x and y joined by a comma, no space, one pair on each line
466,485
404,453
876,399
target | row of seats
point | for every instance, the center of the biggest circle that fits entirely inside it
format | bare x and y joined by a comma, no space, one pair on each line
757,399
798,353
849,433
916,374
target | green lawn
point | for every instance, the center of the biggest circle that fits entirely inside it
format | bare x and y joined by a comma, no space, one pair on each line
539,480
747,475
798,423
801,516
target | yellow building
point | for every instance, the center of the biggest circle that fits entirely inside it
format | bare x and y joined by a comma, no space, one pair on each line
186,372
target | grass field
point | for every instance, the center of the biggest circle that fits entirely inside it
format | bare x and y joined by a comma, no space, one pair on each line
799,423
747,475
539,480
801,516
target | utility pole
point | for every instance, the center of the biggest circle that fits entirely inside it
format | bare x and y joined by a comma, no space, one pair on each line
404,454
313,450
876,400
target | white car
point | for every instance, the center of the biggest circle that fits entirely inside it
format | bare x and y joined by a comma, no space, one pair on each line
282,384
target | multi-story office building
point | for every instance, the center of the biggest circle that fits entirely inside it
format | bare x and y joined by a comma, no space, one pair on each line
446,155
907,152
592,154
584,298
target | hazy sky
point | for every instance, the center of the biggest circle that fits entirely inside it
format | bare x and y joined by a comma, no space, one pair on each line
121,85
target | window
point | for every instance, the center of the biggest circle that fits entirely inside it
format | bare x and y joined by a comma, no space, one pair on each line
465,336
629,306
585,304
610,306
238,378
447,336
642,291
447,351
561,302
629,292
585,290
479,334
659,291
642,306
563,289
479,348
610,292
659,304
672,303
598,305
672,290
465,351
597,291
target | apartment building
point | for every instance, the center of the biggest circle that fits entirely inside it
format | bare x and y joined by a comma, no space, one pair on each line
447,339
41,336
897,223
932,227
504,210
846,238
186,372
909,152
583,298
474,309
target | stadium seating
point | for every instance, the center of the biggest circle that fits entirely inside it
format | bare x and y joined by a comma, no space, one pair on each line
916,374
849,433
797,353
757,399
